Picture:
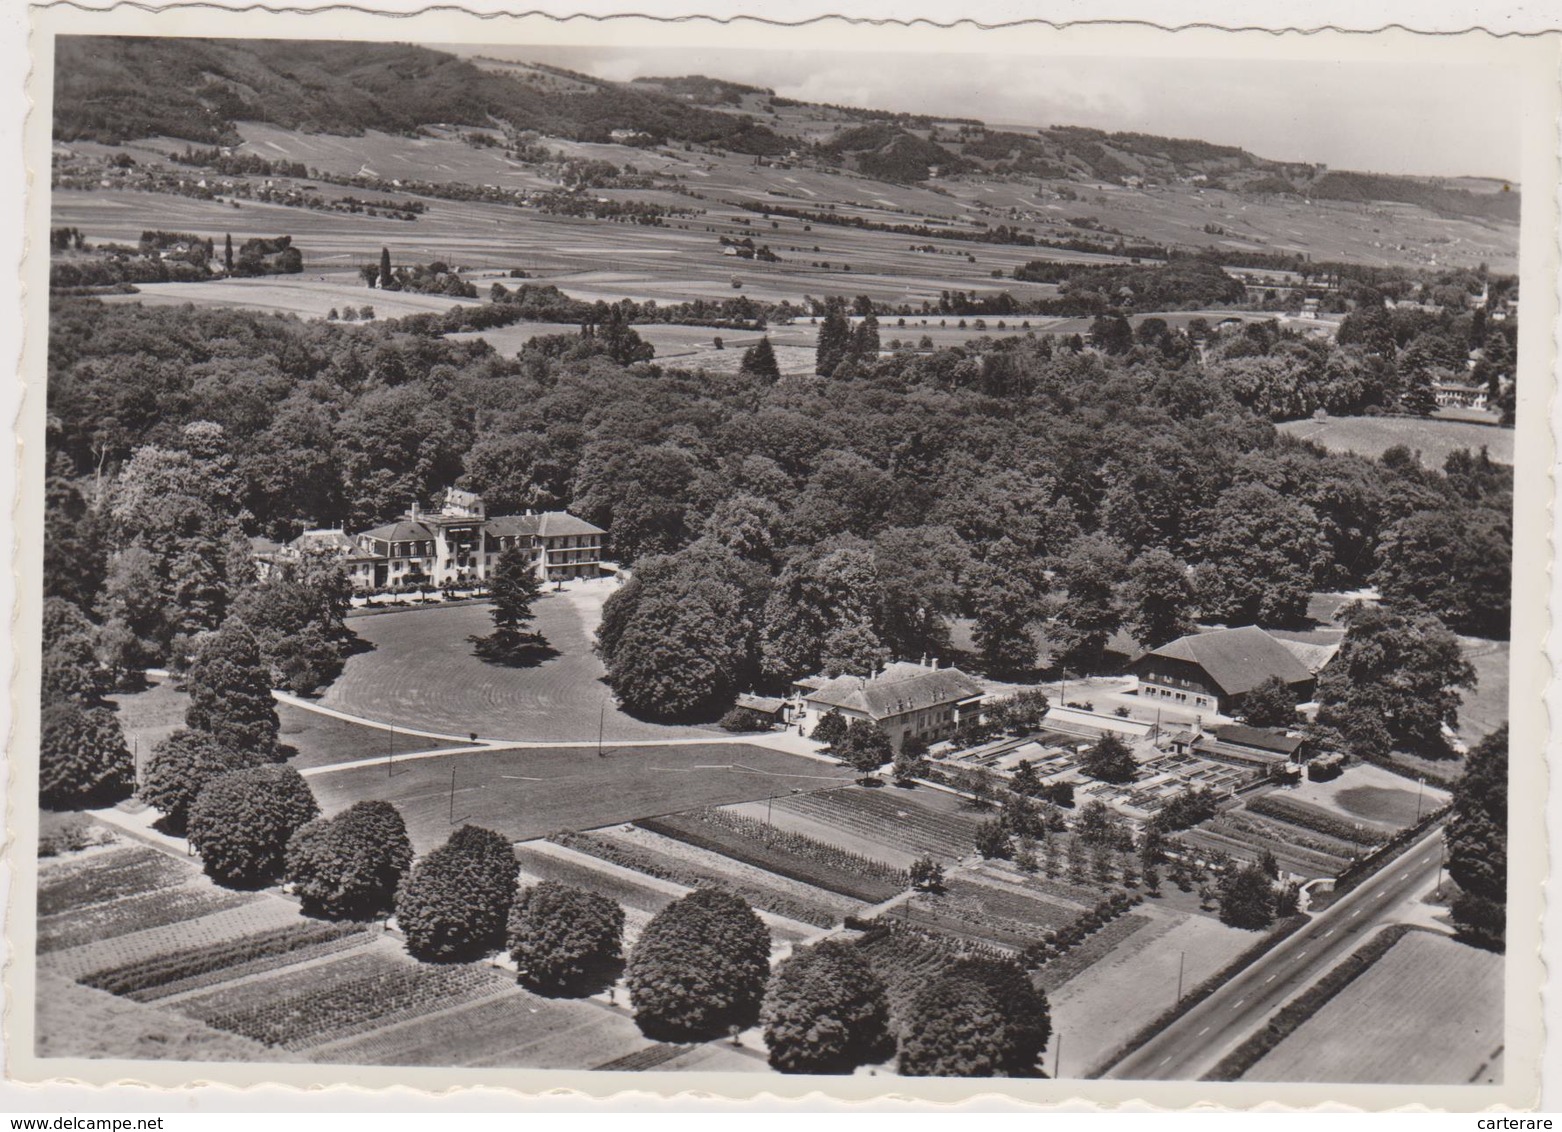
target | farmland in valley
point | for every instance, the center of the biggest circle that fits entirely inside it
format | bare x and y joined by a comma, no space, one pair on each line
1429,1011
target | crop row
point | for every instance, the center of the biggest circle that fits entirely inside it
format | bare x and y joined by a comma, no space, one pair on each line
164,974
1252,844
104,877
1316,819
881,814
691,876
784,855
132,914
804,846
545,866
339,1007
1089,951
907,957
1273,829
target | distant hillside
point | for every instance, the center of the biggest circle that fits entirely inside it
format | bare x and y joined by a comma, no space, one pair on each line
1430,195
117,89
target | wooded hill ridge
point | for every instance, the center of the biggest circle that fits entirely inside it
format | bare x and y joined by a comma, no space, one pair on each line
118,89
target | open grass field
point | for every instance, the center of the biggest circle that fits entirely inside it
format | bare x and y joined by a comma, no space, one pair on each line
1433,438
1370,794
1102,1006
321,740
420,672
1428,1012
530,793
1485,707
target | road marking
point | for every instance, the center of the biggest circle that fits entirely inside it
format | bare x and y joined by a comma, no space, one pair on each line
1238,1003
1270,979
1163,1061
1356,913
1328,933
1202,1032
1302,955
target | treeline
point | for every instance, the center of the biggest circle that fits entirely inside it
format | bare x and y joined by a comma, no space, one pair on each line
1088,289
998,234
238,164
827,524
1367,187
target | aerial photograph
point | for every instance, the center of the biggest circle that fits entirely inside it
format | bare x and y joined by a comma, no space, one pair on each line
597,557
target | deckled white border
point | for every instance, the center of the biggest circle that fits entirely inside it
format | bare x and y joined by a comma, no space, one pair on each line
454,26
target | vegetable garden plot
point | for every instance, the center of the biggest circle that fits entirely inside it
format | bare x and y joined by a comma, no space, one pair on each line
889,817
341,998
100,878
1079,959
178,971
787,854
803,903
985,914
133,914
908,957
544,866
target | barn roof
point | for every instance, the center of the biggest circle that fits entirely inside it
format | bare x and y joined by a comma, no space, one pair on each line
1236,660
900,688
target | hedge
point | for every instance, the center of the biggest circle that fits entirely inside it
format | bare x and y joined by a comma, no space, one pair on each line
1300,1009
1280,932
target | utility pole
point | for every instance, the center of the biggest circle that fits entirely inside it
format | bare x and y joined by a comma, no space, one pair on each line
1181,956
1420,789
1057,1056
601,719
390,754
452,792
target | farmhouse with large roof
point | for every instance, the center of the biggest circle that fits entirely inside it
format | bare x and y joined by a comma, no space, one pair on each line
1213,671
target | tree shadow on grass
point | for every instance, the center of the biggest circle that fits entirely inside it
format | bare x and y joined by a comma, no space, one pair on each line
597,979
529,654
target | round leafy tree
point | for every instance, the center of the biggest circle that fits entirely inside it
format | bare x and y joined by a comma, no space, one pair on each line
826,1012
1247,899
563,938
954,1028
831,728
230,692
83,760
180,765
865,747
241,823
348,867
1110,760
1027,1014
699,967
456,901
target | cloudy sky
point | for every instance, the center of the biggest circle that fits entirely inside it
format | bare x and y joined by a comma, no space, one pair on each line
1380,117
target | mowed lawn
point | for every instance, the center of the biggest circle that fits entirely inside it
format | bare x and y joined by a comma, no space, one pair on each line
1428,1013
533,792
421,673
1433,438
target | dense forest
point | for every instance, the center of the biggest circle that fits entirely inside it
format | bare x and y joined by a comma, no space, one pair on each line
776,528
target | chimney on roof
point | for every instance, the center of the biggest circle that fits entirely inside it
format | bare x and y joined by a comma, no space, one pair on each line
416,511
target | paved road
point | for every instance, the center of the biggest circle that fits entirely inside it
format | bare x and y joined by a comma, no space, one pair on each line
1195,1043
